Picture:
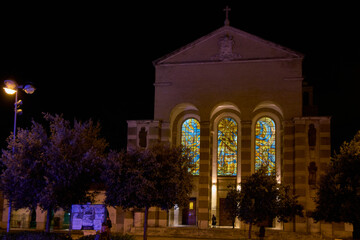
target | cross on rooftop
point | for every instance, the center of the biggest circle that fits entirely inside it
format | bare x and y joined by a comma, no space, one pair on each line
227,10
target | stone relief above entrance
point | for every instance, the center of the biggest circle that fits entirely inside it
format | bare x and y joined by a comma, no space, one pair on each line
226,46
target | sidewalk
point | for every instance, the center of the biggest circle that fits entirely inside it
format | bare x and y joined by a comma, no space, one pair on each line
186,238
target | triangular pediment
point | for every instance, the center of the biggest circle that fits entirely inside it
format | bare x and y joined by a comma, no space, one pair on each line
228,44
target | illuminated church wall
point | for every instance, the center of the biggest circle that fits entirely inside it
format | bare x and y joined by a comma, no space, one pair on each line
226,90
236,101
241,83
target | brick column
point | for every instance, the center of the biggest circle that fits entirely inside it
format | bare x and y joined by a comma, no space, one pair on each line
300,169
246,167
325,145
204,176
288,168
324,157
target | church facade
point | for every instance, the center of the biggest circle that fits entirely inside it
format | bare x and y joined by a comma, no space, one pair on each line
237,101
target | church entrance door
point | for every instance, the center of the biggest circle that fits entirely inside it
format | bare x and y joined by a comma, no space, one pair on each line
224,216
189,213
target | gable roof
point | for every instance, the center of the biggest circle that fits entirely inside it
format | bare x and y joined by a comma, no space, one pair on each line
228,44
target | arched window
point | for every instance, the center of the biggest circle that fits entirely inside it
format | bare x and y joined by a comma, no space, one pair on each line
265,147
227,147
190,138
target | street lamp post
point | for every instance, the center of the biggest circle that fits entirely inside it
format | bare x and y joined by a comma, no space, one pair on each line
11,87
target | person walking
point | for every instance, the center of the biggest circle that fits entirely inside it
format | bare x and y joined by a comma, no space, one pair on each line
213,221
104,232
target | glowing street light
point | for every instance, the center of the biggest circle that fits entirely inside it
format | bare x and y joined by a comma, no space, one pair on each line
9,91
11,87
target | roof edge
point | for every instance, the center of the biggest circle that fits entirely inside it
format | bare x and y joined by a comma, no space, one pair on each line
294,53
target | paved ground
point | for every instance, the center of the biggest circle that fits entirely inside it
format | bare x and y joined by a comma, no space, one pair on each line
182,238
140,237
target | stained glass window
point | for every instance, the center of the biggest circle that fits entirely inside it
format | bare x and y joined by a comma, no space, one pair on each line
227,147
265,143
190,138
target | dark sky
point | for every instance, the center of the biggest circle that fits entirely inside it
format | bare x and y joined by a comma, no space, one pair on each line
94,60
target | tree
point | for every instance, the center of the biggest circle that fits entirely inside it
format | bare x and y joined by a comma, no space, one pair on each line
53,170
261,199
338,196
74,158
144,178
22,177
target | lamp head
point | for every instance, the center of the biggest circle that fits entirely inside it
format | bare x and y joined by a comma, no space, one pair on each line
9,90
10,86
29,89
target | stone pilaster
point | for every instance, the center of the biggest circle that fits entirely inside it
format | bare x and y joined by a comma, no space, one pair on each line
300,170
288,168
204,176
325,145
246,165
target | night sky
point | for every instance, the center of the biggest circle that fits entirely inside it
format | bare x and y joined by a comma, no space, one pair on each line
94,60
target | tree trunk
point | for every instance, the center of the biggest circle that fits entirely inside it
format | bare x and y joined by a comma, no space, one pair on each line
250,226
9,217
48,220
356,231
262,232
70,225
145,222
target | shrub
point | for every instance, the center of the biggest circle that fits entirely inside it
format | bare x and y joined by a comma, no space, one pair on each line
34,236
113,237
26,235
